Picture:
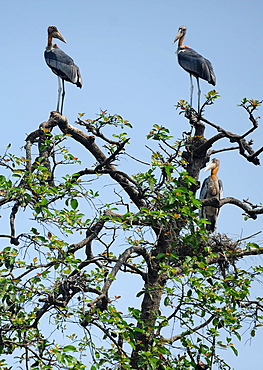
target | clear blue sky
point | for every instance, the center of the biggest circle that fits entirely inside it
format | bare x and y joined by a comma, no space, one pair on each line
129,66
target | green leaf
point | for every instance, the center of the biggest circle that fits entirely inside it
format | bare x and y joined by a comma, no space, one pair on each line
140,293
234,350
69,348
161,255
74,203
153,361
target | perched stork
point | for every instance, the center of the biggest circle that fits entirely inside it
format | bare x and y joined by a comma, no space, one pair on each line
194,64
61,64
212,187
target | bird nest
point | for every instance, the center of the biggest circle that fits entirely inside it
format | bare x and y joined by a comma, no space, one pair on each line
222,243
226,250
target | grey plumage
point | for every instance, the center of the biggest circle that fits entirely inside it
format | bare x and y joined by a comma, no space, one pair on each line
61,64
195,64
211,187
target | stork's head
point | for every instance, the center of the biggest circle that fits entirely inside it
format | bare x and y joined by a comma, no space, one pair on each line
53,32
181,33
213,164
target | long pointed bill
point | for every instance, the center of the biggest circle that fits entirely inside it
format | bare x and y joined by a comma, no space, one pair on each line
178,36
58,35
210,166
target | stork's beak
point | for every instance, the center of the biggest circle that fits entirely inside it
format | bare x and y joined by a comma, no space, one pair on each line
58,35
178,36
210,166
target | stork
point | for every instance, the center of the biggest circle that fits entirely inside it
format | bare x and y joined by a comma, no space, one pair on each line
211,187
194,64
61,64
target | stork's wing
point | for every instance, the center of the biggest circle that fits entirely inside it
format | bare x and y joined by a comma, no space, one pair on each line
220,189
203,195
211,72
203,191
63,66
209,212
195,64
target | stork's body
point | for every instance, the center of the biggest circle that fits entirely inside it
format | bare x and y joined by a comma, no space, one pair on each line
195,64
61,64
212,187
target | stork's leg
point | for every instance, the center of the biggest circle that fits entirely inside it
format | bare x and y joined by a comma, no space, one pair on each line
198,94
63,95
191,90
59,93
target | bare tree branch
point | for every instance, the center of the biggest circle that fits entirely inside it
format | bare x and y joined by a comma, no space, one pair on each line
217,203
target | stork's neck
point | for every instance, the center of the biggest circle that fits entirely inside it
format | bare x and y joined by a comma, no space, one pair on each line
49,40
180,42
214,172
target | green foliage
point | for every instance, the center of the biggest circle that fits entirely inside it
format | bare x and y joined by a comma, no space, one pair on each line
159,133
75,246
250,104
211,96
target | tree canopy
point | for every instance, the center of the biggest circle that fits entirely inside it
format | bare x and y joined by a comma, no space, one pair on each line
82,232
